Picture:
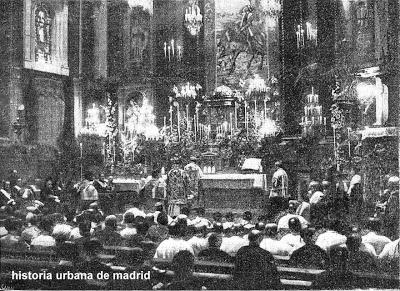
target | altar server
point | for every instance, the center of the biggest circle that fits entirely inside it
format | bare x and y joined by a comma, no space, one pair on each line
279,193
193,174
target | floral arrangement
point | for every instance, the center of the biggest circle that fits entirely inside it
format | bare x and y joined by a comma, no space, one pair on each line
223,92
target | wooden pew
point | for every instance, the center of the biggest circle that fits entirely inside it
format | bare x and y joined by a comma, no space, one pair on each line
291,278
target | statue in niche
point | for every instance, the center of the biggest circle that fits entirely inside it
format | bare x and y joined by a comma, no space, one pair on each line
43,34
362,14
132,113
374,97
139,38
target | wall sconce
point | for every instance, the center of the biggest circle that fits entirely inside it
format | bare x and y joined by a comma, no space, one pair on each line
19,124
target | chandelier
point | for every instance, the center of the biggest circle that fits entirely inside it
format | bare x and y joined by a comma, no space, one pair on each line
193,19
271,7
187,90
257,85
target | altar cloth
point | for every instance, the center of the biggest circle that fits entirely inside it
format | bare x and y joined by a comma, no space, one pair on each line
234,181
132,185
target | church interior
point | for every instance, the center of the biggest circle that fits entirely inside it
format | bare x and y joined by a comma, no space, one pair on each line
202,108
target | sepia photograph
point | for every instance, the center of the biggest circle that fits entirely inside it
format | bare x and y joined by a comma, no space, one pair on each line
199,144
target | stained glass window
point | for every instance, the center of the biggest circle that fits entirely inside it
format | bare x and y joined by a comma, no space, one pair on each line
43,27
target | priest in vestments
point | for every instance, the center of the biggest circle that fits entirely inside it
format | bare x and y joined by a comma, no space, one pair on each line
193,174
176,188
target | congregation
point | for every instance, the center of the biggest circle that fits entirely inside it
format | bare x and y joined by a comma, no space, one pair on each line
317,232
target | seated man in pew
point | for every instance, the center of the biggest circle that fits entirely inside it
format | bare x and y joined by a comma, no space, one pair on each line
337,276
32,230
168,248
271,244
91,263
255,267
293,238
44,240
183,266
109,235
213,252
133,261
12,239
309,255
373,236
69,256
359,259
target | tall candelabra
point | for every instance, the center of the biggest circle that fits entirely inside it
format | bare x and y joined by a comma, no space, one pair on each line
312,114
193,19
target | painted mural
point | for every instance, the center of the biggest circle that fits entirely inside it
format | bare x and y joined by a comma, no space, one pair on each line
247,41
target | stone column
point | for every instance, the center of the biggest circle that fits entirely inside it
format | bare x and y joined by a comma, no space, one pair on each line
210,60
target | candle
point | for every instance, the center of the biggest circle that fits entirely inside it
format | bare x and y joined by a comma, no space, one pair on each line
170,117
179,53
165,50
197,118
305,110
348,137
81,148
187,116
169,53
255,111
325,121
246,119
179,125
236,123
104,151
173,47
231,117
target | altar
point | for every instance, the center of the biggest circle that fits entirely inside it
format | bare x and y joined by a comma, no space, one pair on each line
125,191
234,192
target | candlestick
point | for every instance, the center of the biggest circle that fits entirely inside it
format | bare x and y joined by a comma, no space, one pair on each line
165,50
173,47
179,53
169,53
246,119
